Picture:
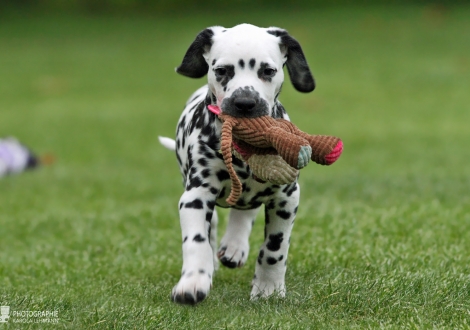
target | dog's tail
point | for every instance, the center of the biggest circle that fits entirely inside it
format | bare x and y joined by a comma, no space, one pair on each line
167,142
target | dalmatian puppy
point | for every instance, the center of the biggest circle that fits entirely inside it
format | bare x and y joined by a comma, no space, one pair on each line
244,67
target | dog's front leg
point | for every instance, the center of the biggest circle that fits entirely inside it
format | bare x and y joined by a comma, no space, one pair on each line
196,211
270,268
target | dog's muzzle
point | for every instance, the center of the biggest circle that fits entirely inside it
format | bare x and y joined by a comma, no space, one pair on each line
245,102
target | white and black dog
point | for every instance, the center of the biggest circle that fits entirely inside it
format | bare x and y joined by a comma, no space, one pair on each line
244,65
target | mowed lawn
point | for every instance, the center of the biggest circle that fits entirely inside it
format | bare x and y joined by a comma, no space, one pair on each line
382,237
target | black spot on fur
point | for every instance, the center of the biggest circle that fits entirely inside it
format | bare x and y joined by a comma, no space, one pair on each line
271,261
252,63
209,155
245,188
207,130
198,238
283,214
213,61
206,173
241,63
208,99
185,239
267,192
194,182
202,162
260,257
238,162
283,203
198,120
254,204
195,204
271,205
180,162
214,191
209,216
243,175
290,189
275,241
223,175
210,205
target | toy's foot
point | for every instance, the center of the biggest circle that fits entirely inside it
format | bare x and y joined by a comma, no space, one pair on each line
334,154
304,156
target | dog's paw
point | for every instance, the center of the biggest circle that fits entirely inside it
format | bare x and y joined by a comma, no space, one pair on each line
192,288
233,253
304,156
260,289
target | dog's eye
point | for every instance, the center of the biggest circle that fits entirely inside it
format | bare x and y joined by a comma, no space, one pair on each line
220,71
269,72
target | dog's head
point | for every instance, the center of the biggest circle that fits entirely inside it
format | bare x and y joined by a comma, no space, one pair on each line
244,65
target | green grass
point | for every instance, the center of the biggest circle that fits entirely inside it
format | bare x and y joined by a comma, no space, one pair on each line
382,238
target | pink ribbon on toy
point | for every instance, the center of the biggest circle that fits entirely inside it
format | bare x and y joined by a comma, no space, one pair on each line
214,109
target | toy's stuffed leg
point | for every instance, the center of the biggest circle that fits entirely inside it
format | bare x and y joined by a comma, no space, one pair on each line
325,149
295,149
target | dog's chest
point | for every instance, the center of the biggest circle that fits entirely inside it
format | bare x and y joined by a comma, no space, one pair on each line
201,163
253,194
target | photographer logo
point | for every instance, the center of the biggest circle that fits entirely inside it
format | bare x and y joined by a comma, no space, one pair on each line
27,316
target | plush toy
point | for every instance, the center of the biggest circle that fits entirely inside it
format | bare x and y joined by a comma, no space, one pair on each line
275,149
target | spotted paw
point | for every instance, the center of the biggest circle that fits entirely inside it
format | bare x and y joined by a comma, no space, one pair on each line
192,288
304,156
233,254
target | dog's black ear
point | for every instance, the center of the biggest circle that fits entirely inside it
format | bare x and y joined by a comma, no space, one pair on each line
297,66
194,65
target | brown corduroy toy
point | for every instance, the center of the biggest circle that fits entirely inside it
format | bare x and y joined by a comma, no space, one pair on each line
275,149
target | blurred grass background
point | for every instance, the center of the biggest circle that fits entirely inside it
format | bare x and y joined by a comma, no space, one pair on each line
381,239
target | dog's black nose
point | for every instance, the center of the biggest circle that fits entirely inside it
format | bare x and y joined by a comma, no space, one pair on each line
244,103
